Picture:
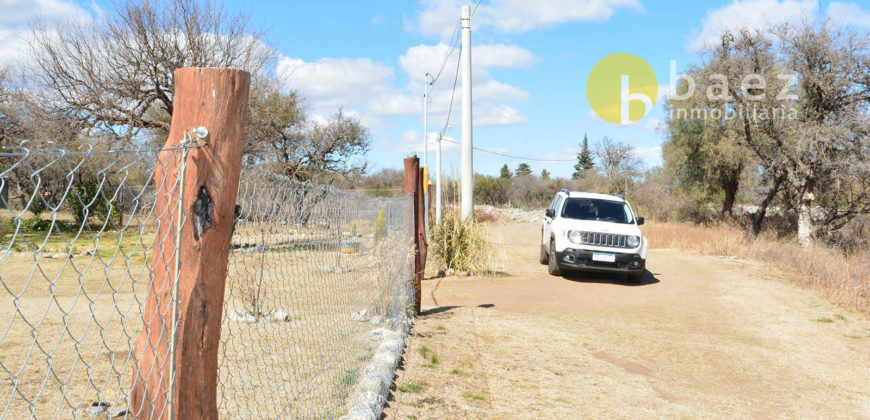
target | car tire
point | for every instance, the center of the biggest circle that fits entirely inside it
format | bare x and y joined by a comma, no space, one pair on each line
553,263
544,258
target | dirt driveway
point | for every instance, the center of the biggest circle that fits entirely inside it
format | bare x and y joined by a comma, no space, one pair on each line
703,337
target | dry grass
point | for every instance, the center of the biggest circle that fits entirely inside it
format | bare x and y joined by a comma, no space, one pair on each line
844,279
461,245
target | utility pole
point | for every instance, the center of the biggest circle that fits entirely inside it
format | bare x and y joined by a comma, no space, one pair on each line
427,81
426,84
438,182
467,197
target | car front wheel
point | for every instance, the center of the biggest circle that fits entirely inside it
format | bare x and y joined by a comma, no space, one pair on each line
544,258
553,266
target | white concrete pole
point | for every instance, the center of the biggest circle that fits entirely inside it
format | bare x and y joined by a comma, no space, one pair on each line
438,182
425,121
467,197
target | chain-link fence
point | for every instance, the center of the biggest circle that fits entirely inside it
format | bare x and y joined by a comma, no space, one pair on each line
317,281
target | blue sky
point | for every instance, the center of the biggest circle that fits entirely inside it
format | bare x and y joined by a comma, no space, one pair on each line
531,61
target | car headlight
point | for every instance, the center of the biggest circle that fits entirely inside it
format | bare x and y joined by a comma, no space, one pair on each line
575,236
632,241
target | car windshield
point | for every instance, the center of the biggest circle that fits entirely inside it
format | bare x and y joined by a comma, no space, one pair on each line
596,209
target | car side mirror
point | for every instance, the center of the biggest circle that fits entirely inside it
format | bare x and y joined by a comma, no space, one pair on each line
640,221
550,213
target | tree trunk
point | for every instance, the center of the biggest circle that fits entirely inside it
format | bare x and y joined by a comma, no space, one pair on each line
758,218
730,187
805,218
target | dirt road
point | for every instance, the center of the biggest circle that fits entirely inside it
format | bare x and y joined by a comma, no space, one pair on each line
703,337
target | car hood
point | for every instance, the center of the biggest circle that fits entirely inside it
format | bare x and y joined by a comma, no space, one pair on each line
596,226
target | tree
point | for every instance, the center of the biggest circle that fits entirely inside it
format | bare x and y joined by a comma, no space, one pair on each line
825,154
585,160
506,172
702,151
523,169
545,174
618,163
115,73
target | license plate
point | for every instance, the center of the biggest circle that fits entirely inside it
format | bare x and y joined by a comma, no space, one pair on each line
600,256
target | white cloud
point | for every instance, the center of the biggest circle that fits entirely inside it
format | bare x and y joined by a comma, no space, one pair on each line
650,156
439,17
486,114
411,141
848,14
335,82
750,14
16,17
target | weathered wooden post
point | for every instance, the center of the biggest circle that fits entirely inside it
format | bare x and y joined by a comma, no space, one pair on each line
413,186
185,387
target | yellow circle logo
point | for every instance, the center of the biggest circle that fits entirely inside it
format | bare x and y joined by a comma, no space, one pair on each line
622,88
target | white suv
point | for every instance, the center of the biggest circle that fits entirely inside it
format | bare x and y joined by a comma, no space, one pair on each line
593,232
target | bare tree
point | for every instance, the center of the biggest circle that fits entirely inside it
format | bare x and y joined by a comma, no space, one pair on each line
617,163
116,72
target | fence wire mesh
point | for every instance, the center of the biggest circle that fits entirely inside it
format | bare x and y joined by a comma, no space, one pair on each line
313,271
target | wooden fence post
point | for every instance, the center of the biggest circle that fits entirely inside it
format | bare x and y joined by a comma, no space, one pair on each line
413,185
217,99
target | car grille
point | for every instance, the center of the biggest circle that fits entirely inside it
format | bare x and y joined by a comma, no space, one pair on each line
604,239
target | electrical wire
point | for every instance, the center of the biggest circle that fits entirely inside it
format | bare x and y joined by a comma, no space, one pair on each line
452,94
493,152
454,42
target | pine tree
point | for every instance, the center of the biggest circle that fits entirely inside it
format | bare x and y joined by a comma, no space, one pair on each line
585,161
545,174
506,172
523,169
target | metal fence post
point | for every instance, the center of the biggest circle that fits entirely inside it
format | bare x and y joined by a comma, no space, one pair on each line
177,378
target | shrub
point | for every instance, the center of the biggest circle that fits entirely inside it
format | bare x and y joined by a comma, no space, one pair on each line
460,244
86,201
380,225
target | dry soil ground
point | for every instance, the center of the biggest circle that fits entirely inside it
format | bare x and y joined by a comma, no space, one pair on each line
703,337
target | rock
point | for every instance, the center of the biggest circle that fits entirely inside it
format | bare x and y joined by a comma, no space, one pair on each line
440,274
280,315
117,412
450,272
377,334
372,401
370,384
359,413
96,408
379,373
378,319
59,256
242,316
360,316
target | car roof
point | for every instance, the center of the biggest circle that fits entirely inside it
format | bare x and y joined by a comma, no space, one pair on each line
581,194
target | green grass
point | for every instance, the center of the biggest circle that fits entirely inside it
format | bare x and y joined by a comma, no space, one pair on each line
473,396
441,328
561,400
367,356
460,372
411,417
350,377
430,356
840,317
824,320
410,387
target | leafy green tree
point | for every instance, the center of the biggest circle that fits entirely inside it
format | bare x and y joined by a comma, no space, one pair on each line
585,160
506,172
523,169
545,174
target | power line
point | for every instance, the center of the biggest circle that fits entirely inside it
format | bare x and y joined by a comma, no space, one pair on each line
475,8
452,93
511,156
454,41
